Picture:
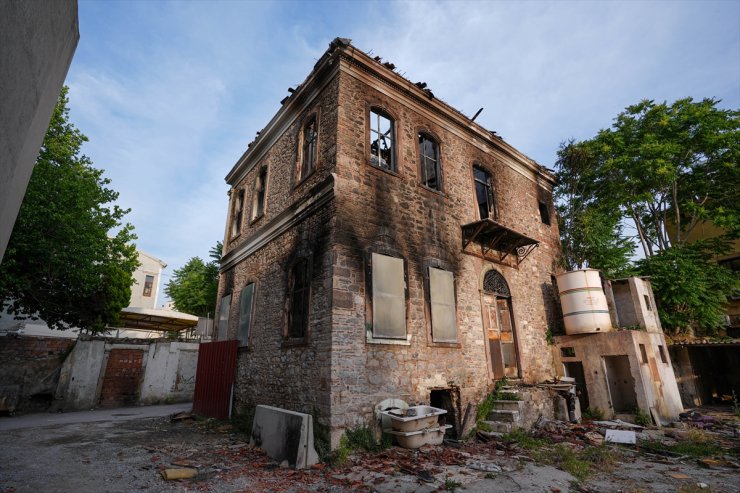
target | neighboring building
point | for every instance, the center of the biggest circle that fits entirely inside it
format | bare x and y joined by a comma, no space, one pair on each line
145,291
381,244
37,41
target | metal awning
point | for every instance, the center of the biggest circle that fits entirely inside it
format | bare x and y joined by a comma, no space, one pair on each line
492,236
153,319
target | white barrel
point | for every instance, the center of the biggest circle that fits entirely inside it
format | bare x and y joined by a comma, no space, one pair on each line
583,301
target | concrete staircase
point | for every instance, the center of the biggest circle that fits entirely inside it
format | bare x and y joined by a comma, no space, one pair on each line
505,416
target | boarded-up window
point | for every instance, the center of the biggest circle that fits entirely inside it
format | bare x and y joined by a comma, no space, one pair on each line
245,313
442,305
300,296
223,318
389,297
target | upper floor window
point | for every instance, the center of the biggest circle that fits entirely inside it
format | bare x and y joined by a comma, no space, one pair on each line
148,284
299,294
245,313
431,169
223,317
237,213
484,193
382,140
309,148
544,213
258,199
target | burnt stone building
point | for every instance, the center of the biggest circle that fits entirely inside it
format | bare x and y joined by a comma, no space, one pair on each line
380,244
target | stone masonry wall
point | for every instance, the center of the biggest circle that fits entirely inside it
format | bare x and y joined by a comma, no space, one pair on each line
380,209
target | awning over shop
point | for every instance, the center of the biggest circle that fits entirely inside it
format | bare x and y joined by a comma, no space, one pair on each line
494,237
153,319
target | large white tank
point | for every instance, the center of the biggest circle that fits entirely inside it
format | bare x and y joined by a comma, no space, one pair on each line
583,301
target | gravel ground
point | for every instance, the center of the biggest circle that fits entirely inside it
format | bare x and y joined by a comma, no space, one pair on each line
115,456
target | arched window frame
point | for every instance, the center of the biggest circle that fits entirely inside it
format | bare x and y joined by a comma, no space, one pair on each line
374,115
308,147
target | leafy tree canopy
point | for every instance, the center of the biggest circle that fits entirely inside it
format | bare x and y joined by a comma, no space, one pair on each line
63,263
193,287
653,178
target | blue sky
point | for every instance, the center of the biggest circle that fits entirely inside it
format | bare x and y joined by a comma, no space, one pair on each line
170,93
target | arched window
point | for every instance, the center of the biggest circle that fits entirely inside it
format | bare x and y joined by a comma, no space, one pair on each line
258,197
309,148
494,283
382,140
431,169
484,195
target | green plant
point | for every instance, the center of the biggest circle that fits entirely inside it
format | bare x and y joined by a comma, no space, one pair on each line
489,403
242,421
321,438
451,485
695,444
642,418
357,439
508,396
549,337
524,439
593,414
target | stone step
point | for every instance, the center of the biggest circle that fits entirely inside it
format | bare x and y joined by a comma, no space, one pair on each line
498,426
510,405
503,415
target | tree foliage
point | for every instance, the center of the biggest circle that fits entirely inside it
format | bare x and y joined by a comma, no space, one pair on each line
661,171
63,263
193,287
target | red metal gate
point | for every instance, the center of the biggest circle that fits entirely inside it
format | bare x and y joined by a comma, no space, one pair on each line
214,378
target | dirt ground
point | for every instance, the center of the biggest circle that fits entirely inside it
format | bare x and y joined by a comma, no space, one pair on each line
129,456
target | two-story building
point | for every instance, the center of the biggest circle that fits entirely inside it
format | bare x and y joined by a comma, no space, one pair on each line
381,244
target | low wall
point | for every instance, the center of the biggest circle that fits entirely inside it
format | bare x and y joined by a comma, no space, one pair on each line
29,371
115,372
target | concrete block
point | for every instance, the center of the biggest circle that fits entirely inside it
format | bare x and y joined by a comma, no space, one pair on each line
285,435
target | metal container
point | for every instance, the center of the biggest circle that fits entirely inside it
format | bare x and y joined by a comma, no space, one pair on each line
583,301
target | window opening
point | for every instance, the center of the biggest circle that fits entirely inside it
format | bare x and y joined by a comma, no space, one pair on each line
484,193
148,285
236,215
299,299
499,323
663,357
567,352
647,302
245,313
544,213
308,155
442,305
258,205
643,353
431,170
381,141
389,297
223,318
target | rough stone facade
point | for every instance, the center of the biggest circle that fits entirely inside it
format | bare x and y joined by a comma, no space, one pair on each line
348,209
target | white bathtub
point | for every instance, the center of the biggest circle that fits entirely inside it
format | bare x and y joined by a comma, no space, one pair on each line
414,418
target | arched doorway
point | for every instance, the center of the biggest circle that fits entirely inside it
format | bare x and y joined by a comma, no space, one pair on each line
499,326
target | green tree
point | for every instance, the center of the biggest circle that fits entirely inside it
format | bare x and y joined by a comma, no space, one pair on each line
64,264
661,171
193,287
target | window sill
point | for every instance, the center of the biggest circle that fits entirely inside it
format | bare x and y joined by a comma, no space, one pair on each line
303,180
452,345
434,191
235,237
291,343
385,341
255,220
389,171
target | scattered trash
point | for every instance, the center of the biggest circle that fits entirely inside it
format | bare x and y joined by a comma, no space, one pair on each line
183,473
181,416
621,436
485,467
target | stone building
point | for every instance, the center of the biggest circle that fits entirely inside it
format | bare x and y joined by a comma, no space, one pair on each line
381,244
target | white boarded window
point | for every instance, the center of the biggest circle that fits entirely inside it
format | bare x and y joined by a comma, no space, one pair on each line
223,318
389,297
442,305
245,313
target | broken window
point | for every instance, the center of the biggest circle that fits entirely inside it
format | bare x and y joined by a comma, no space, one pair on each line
148,284
442,305
223,317
544,213
299,294
382,139
647,302
643,353
258,199
236,213
389,297
567,352
309,149
663,357
484,193
245,313
431,169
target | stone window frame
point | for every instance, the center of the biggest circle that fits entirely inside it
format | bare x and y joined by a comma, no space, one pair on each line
494,213
289,297
313,115
148,285
369,335
446,266
545,212
236,217
256,213
425,131
217,325
382,110
248,345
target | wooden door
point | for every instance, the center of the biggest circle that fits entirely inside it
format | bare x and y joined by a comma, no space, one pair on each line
508,338
493,333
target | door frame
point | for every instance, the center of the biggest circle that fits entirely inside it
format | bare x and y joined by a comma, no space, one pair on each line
510,302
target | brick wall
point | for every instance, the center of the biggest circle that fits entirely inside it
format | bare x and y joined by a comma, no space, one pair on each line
124,372
31,366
